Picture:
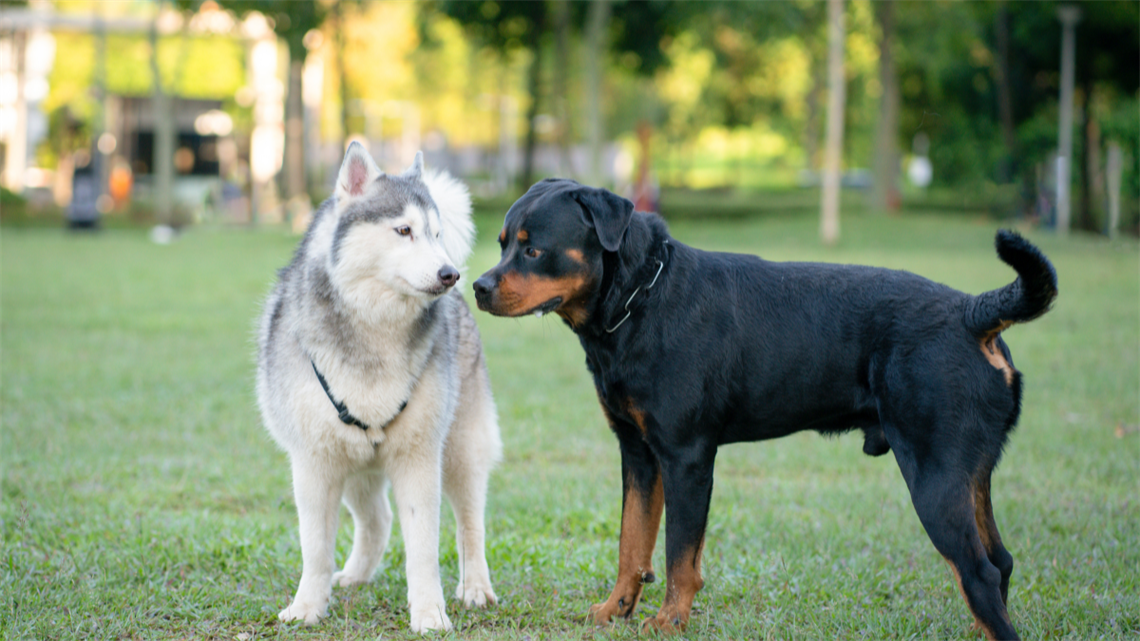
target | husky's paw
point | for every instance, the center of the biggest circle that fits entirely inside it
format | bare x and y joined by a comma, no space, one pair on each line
347,579
309,613
430,616
476,594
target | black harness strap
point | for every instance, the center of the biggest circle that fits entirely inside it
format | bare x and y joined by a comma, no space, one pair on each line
343,414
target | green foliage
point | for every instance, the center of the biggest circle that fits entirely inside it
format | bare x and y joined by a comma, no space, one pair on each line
142,499
292,19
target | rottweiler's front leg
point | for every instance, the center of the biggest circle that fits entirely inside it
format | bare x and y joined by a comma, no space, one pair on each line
642,503
688,480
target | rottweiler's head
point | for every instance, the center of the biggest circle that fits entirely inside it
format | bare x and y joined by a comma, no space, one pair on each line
553,240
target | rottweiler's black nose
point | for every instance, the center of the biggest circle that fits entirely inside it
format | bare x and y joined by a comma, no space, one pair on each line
483,285
448,275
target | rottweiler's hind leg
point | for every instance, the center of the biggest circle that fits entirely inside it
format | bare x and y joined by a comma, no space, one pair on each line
946,503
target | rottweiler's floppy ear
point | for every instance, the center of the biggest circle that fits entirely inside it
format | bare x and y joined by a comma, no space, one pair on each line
609,212
356,172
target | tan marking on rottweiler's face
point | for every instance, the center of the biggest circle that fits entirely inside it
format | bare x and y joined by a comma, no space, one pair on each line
503,236
522,235
519,294
576,256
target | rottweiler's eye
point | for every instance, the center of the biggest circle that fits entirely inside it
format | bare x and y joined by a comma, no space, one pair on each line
532,252
404,230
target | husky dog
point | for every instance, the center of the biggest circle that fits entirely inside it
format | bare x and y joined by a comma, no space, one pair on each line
370,371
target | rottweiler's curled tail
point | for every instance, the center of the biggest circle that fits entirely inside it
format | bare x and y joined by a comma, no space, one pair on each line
1021,301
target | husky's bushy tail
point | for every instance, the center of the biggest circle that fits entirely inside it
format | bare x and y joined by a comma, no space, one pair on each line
1023,300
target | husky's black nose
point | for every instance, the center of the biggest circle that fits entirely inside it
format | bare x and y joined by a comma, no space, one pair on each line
448,276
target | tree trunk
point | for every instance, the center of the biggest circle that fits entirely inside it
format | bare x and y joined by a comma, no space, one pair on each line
342,76
1090,156
836,103
562,53
294,174
1005,91
885,193
534,43
162,169
596,46
811,127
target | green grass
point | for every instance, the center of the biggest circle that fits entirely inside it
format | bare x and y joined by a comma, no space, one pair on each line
143,500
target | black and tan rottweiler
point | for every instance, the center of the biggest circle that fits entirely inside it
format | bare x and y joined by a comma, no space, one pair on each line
691,350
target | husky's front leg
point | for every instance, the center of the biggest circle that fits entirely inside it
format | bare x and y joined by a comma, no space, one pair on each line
317,493
415,477
366,496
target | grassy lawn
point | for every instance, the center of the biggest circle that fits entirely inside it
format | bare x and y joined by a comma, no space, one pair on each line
142,499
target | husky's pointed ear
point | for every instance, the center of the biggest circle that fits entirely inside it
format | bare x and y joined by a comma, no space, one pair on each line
609,212
417,168
356,172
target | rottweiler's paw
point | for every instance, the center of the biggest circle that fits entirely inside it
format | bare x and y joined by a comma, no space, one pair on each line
666,622
604,613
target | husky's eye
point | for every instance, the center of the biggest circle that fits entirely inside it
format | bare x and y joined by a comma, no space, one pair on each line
404,230
532,252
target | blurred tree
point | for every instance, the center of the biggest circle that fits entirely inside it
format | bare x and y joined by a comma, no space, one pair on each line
292,20
507,27
1107,48
635,29
885,190
597,32
829,209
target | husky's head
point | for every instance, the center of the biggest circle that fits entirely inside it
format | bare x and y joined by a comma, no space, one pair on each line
406,234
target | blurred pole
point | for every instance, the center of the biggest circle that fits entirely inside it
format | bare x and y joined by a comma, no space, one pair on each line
102,160
1005,91
16,149
1069,16
295,133
836,101
885,190
1113,182
534,73
342,76
162,169
561,14
596,46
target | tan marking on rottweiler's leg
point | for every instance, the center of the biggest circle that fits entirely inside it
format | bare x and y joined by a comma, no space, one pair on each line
638,417
987,526
640,520
978,625
993,354
683,581
984,516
